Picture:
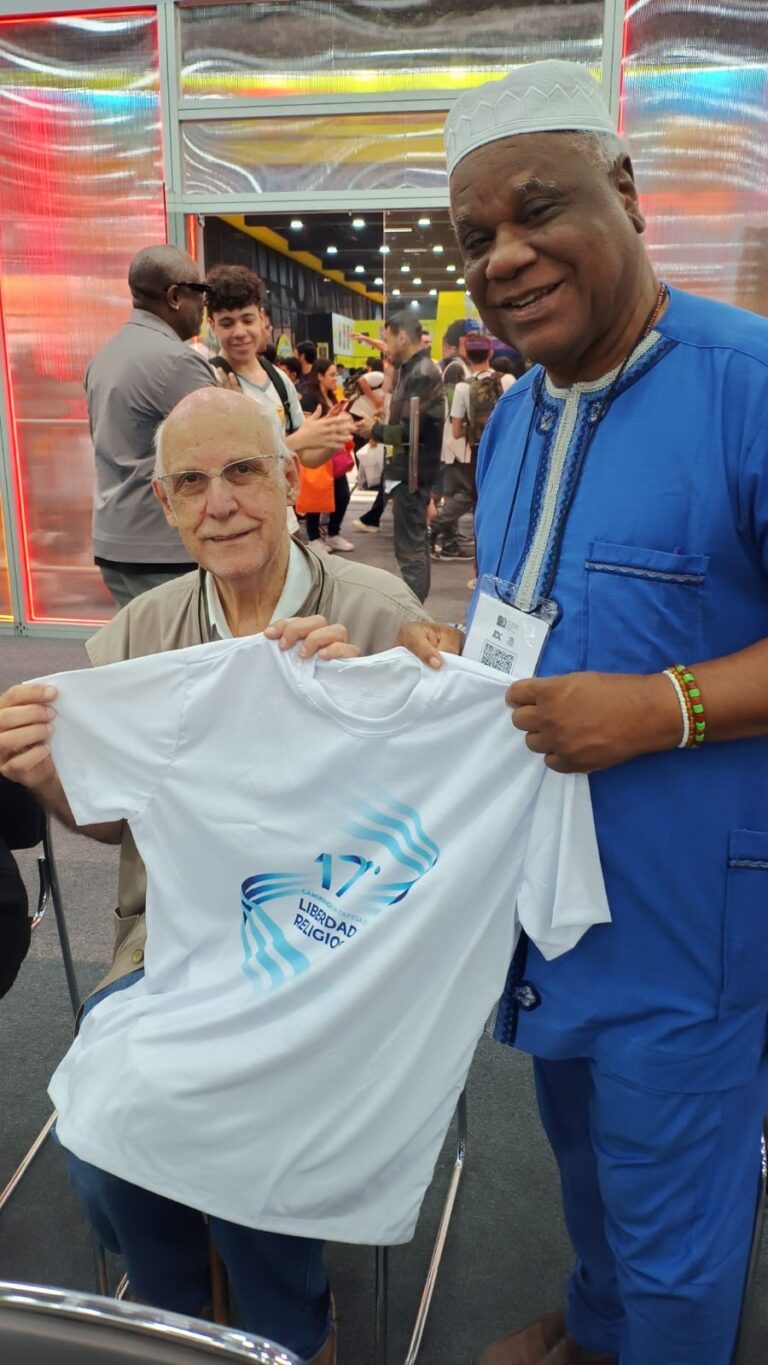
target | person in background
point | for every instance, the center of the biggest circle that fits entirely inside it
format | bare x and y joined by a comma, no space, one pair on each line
417,378
472,403
306,354
323,394
454,343
291,366
507,369
131,385
22,823
237,321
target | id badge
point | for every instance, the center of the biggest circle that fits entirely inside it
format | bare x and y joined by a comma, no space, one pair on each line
502,636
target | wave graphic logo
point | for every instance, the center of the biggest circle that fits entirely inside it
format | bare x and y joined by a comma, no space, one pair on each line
347,891
268,958
397,830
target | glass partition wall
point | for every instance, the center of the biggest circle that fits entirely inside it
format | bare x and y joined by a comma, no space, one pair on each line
216,125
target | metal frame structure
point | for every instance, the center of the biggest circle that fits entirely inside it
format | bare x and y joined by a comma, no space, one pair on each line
175,114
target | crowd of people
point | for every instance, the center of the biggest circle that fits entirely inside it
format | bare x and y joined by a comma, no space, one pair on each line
621,552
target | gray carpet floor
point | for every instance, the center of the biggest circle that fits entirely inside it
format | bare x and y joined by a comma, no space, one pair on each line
507,1254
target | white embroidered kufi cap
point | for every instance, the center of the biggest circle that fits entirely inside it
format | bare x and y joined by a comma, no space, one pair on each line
539,97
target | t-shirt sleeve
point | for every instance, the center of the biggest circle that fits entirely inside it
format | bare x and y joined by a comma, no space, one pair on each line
562,892
115,734
184,373
297,415
460,404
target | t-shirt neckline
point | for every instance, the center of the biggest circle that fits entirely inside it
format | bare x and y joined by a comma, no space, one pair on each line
307,677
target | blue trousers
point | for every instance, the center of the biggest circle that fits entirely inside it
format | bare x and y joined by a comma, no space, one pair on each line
659,1194
278,1282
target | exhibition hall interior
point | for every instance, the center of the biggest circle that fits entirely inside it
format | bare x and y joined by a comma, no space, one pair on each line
302,142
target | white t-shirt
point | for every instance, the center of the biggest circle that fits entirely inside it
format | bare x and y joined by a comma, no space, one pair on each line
269,394
321,955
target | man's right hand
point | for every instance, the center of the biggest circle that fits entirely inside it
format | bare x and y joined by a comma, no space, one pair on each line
426,639
26,725
320,437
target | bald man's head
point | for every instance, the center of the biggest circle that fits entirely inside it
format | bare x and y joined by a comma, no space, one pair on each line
211,418
165,281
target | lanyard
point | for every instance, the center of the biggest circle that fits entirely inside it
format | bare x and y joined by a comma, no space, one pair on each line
603,409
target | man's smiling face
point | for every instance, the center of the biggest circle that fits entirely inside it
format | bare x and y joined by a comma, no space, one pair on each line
551,247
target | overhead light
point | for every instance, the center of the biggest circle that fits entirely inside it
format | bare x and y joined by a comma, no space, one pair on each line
396,291
358,222
425,222
433,292
417,279
384,250
378,280
438,248
405,270
359,269
296,224
450,269
414,303
459,279
398,229
331,251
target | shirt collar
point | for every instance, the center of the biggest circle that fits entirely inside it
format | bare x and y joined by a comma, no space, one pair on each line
298,581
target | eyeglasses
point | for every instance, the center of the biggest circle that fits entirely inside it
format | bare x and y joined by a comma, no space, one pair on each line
196,285
191,485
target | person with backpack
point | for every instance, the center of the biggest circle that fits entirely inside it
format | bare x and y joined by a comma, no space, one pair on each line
238,322
472,403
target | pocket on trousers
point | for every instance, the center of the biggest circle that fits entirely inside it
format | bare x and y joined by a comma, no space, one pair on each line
745,922
643,608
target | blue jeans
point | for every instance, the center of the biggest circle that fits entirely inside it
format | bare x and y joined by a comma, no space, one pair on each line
279,1283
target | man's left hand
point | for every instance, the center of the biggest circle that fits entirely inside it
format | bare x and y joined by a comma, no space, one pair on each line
315,635
582,722
364,426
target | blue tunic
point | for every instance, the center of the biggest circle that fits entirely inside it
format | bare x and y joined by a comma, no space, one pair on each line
664,559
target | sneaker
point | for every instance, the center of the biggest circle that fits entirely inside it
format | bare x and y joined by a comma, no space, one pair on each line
320,546
457,551
339,543
363,526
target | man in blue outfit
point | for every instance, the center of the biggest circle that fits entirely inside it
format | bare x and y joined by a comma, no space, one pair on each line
623,495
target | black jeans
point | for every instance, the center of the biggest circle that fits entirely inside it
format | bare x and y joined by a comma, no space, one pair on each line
411,541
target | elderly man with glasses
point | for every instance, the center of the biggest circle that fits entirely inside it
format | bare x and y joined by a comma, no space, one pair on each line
223,479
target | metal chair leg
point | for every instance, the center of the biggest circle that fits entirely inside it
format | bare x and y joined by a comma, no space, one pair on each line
26,1162
442,1232
61,923
381,1310
754,1256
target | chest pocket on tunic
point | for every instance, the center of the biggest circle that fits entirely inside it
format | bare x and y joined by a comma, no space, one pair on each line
745,923
643,609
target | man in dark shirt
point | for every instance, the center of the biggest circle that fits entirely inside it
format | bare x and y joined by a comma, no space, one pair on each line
417,377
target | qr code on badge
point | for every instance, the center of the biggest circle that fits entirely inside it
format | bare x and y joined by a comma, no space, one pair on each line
497,658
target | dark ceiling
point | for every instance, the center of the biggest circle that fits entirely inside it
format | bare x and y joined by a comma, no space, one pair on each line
410,255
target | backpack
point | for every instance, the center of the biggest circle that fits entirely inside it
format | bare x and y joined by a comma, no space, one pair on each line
484,393
279,383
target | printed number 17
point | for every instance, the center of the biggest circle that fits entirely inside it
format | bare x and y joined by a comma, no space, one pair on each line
363,865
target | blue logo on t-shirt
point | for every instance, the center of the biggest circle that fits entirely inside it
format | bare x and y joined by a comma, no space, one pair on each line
351,890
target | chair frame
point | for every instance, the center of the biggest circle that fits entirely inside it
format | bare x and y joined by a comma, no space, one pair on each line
139,1321
49,892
